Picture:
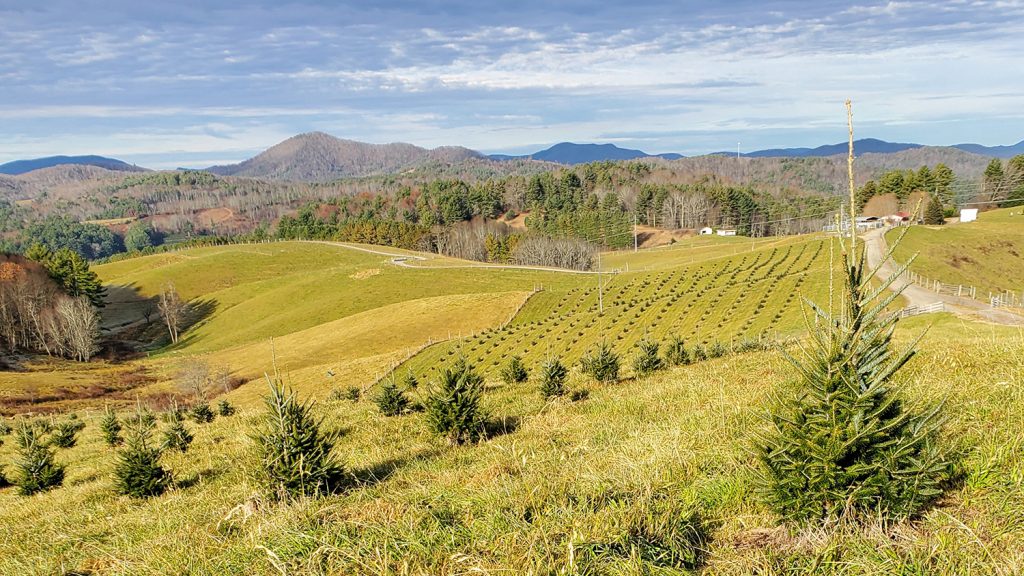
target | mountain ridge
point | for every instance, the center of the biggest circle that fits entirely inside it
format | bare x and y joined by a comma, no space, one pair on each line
18,167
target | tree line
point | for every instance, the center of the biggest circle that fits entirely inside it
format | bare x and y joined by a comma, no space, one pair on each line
49,307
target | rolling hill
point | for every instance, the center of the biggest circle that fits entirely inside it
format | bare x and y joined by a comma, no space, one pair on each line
634,477
22,166
316,157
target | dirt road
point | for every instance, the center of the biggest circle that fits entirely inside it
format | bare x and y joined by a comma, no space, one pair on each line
874,242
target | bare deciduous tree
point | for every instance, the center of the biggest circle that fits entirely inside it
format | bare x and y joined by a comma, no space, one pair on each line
194,377
80,327
172,309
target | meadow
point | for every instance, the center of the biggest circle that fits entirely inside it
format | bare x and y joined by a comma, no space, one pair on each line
650,475
986,254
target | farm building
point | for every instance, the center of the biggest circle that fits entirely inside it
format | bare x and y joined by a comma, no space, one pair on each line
968,215
706,231
726,232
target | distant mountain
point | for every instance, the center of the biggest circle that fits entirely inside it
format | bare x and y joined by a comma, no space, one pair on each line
23,166
863,146
572,153
997,151
318,157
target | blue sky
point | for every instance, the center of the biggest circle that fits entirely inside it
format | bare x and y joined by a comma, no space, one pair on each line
199,82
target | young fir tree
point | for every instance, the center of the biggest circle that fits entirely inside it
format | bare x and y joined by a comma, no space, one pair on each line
176,436
933,214
36,469
4,482
65,434
515,371
647,359
602,364
110,428
391,400
410,381
295,457
845,446
201,413
137,472
453,408
552,378
676,353
224,408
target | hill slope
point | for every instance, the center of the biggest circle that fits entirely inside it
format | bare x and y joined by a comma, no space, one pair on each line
644,476
316,156
23,166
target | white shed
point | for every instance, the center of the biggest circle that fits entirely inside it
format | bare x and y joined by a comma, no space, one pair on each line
968,215
706,231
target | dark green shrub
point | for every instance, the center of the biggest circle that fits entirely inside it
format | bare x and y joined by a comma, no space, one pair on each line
453,408
201,413
676,353
602,364
36,469
552,378
295,456
4,482
65,434
647,359
5,428
224,408
391,400
844,445
137,472
176,436
110,428
515,371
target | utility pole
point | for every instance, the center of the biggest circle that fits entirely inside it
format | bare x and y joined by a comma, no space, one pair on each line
600,291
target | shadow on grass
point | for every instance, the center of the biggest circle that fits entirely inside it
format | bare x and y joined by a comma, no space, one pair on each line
495,427
381,471
198,312
199,477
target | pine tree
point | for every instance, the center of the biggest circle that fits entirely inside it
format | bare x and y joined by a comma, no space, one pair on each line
295,456
515,371
5,428
137,472
676,353
176,436
65,434
647,359
552,378
37,470
845,445
453,408
201,413
410,381
224,408
602,364
4,482
933,214
391,400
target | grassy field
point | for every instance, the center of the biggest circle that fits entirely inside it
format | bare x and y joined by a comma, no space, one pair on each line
629,478
986,254
614,484
723,299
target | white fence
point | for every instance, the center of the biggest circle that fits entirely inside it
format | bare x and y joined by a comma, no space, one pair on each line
960,290
1006,299
928,309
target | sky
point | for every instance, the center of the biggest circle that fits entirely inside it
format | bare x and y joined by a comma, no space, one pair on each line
202,82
